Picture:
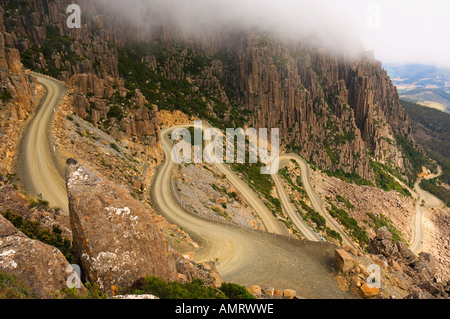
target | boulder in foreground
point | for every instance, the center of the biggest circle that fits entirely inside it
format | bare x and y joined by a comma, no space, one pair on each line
115,238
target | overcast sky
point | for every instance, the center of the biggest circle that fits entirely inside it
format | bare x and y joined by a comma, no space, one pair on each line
399,31
403,31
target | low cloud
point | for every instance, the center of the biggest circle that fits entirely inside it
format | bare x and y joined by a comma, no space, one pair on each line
398,31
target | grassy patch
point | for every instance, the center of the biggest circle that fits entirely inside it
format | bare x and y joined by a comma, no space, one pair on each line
345,201
191,290
386,181
12,287
416,158
432,186
262,183
350,223
33,230
352,178
381,221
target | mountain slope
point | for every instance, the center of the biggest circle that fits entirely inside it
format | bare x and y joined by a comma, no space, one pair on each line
432,131
434,98
337,112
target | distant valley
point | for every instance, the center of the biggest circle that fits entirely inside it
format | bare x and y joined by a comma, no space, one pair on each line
422,84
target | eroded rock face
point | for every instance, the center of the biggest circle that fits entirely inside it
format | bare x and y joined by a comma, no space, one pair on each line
114,237
42,267
188,270
382,243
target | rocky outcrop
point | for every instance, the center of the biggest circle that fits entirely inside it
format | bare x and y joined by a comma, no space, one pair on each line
114,237
382,243
11,200
418,270
188,270
42,267
15,81
344,261
18,91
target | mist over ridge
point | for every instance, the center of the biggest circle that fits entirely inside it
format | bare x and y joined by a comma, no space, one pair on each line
299,21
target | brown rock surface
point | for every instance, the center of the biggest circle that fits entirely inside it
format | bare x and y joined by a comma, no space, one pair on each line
289,293
189,270
114,237
344,261
369,292
254,290
42,267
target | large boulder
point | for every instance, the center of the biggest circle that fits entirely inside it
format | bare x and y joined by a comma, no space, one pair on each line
408,256
41,267
382,243
115,238
344,261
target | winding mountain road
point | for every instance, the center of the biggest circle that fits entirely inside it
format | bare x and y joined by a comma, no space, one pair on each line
246,257
429,200
37,165
316,201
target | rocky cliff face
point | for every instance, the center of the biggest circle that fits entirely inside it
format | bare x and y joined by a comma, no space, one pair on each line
338,112
18,91
87,59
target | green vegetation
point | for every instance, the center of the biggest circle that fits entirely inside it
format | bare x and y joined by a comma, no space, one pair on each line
350,223
115,147
262,183
415,157
12,287
167,94
333,234
179,94
297,186
435,138
382,221
386,181
334,157
352,178
220,213
345,201
191,290
115,111
33,230
280,62
235,291
38,203
432,186
93,292
312,215
5,96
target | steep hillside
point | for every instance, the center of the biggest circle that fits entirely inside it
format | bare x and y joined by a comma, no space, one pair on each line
434,98
18,91
432,130
339,113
